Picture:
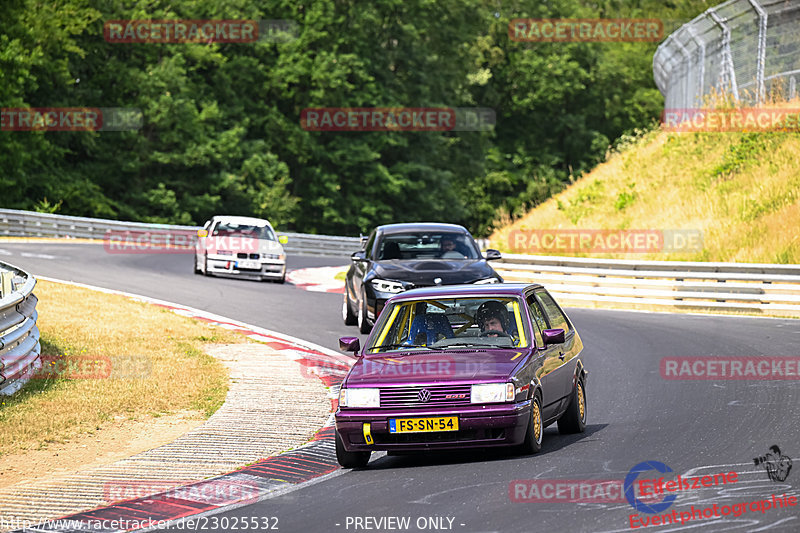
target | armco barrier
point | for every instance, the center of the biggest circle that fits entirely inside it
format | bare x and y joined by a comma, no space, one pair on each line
19,337
14,223
754,288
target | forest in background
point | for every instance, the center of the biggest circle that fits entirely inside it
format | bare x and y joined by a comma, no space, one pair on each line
222,133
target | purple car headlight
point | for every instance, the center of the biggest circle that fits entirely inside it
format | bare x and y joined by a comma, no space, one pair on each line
492,393
360,397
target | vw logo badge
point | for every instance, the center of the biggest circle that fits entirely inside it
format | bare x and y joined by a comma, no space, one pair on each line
437,281
424,395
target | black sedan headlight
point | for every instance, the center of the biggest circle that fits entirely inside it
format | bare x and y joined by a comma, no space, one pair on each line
384,285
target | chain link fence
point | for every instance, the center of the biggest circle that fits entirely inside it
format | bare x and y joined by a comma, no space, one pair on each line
744,50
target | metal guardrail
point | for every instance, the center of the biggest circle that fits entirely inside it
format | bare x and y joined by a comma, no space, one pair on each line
749,287
760,288
19,335
747,49
15,223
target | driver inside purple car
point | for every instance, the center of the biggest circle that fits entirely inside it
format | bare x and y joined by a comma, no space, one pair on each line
492,316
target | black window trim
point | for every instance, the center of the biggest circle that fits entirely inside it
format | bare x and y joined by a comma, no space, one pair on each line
568,334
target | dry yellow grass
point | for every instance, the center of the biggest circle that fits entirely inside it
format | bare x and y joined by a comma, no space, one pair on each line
160,347
742,190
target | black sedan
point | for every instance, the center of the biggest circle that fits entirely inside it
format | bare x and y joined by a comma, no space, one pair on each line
399,257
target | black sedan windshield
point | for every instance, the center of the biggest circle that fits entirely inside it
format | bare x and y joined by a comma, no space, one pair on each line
427,246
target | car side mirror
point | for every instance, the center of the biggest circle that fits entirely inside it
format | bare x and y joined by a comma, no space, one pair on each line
202,233
553,336
359,256
491,254
283,239
349,344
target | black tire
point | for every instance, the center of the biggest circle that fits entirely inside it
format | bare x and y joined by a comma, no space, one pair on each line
363,322
196,270
533,437
574,419
349,317
205,266
350,459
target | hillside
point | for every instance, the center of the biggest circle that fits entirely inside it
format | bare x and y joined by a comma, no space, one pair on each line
741,190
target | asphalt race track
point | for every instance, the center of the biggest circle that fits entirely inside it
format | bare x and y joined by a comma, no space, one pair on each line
695,427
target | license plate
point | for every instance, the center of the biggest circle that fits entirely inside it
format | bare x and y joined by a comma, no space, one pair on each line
423,425
248,263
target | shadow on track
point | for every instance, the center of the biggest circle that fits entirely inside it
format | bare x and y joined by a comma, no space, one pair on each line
552,441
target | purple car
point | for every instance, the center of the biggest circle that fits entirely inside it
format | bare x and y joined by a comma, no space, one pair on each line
462,366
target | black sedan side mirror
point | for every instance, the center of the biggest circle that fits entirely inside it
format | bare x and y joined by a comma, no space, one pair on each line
491,254
359,256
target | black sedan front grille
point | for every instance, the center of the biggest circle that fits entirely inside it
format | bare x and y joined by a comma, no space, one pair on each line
438,395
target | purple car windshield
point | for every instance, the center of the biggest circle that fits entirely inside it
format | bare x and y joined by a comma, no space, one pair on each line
450,323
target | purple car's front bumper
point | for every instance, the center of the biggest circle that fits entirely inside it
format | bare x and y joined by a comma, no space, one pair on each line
479,426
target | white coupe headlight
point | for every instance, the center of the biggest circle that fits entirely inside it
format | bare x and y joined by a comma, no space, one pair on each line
486,281
360,397
382,285
492,393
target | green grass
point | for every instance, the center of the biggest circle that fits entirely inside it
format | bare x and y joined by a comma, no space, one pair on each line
742,190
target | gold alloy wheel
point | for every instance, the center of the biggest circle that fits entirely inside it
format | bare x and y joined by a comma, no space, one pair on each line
537,422
581,402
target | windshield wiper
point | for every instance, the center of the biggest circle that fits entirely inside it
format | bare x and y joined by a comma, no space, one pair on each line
483,345
402,345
